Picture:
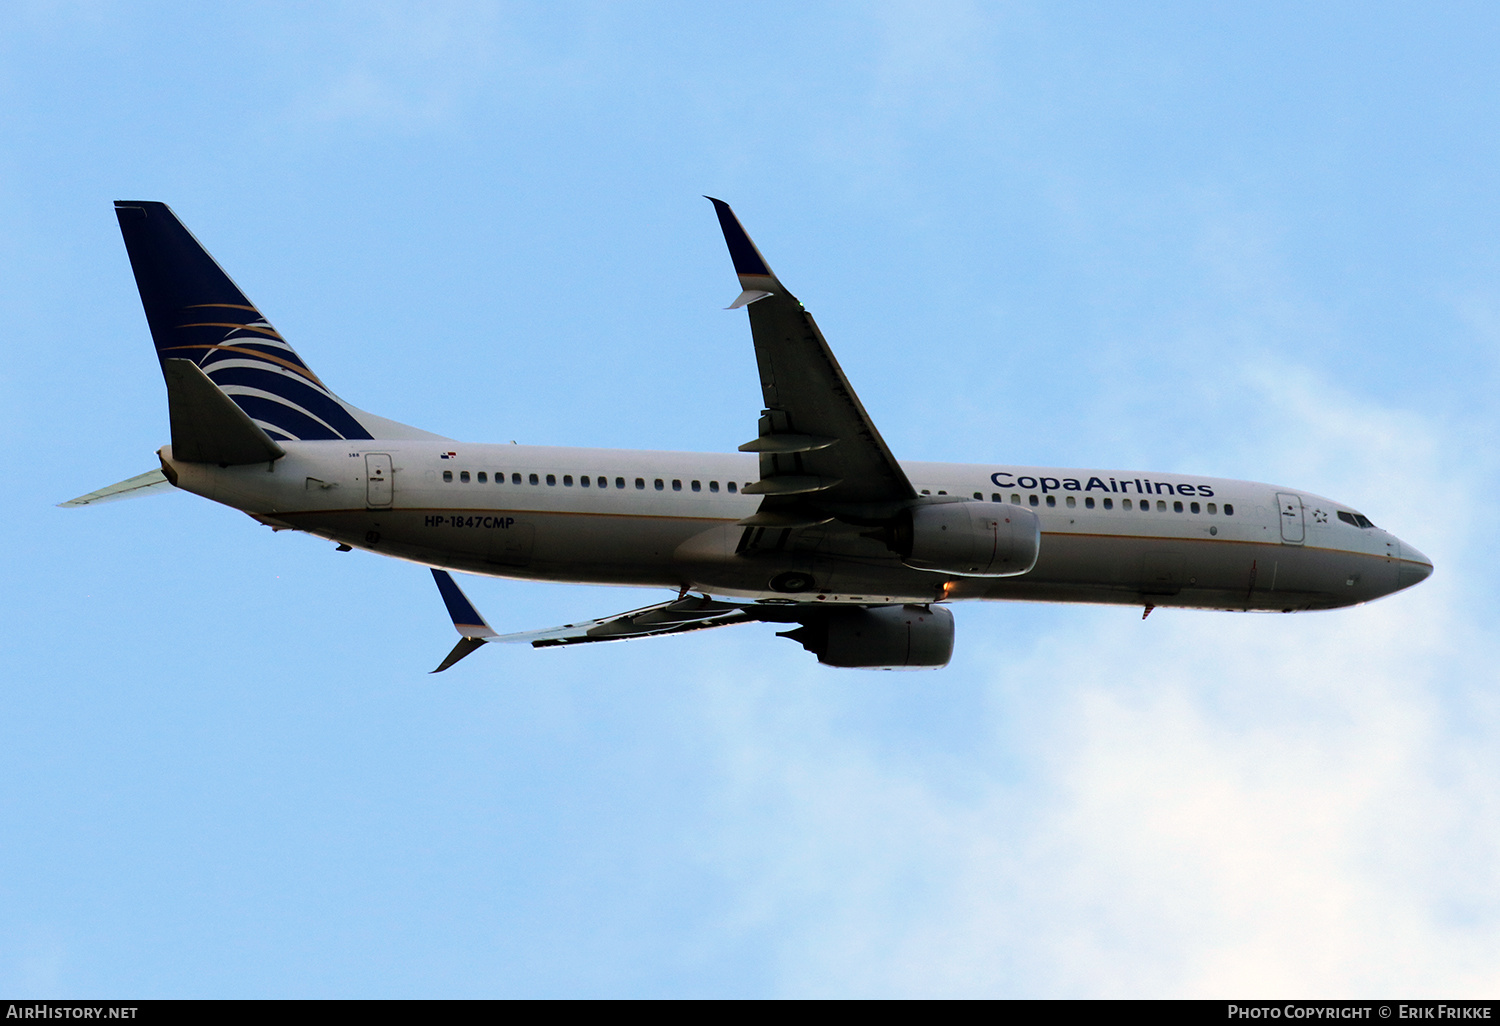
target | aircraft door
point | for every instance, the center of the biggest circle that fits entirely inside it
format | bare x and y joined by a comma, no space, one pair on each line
1292,528
378,479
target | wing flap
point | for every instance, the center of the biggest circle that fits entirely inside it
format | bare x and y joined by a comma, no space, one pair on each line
691,613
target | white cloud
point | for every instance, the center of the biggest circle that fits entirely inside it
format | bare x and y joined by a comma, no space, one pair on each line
1202,804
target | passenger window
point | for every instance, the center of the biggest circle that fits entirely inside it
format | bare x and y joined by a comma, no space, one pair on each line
463,476
533,479
619,483
1228,510
996,498
1072,502
1124,503
676,485
1109,503
604,483
551,480
1051,500
1088,502
1161,505
713,486
583,480
697,486
516,479
979,495
1177,506
447,475
1193,506
730,486
1015,500
1034,500
926,492
480,477
1213,508
640,483
567,480
660,484
941,492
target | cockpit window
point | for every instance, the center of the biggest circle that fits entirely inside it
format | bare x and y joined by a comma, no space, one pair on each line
1355,519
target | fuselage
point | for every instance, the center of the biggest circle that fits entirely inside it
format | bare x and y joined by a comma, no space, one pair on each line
669,519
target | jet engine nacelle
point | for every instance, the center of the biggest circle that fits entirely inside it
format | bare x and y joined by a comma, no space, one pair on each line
879,638
971,539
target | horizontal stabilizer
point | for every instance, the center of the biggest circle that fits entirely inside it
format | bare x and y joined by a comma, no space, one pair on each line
207,426
149,483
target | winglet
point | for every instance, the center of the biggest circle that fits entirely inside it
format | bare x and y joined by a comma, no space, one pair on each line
466,619
756,277
463,648
473,631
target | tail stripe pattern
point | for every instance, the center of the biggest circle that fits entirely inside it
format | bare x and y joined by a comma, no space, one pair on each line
197,313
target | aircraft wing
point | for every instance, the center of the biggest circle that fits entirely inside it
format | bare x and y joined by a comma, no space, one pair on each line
818,447
689,613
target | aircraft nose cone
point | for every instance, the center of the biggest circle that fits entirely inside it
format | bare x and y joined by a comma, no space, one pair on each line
1415,567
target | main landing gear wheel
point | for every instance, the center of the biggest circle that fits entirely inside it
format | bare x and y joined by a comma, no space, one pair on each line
792,581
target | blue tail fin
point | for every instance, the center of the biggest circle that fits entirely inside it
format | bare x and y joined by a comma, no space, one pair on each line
197,313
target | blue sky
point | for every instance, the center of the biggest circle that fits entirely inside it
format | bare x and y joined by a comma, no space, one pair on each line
1256,241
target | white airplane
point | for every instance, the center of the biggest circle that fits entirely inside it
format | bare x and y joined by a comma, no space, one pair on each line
813,524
